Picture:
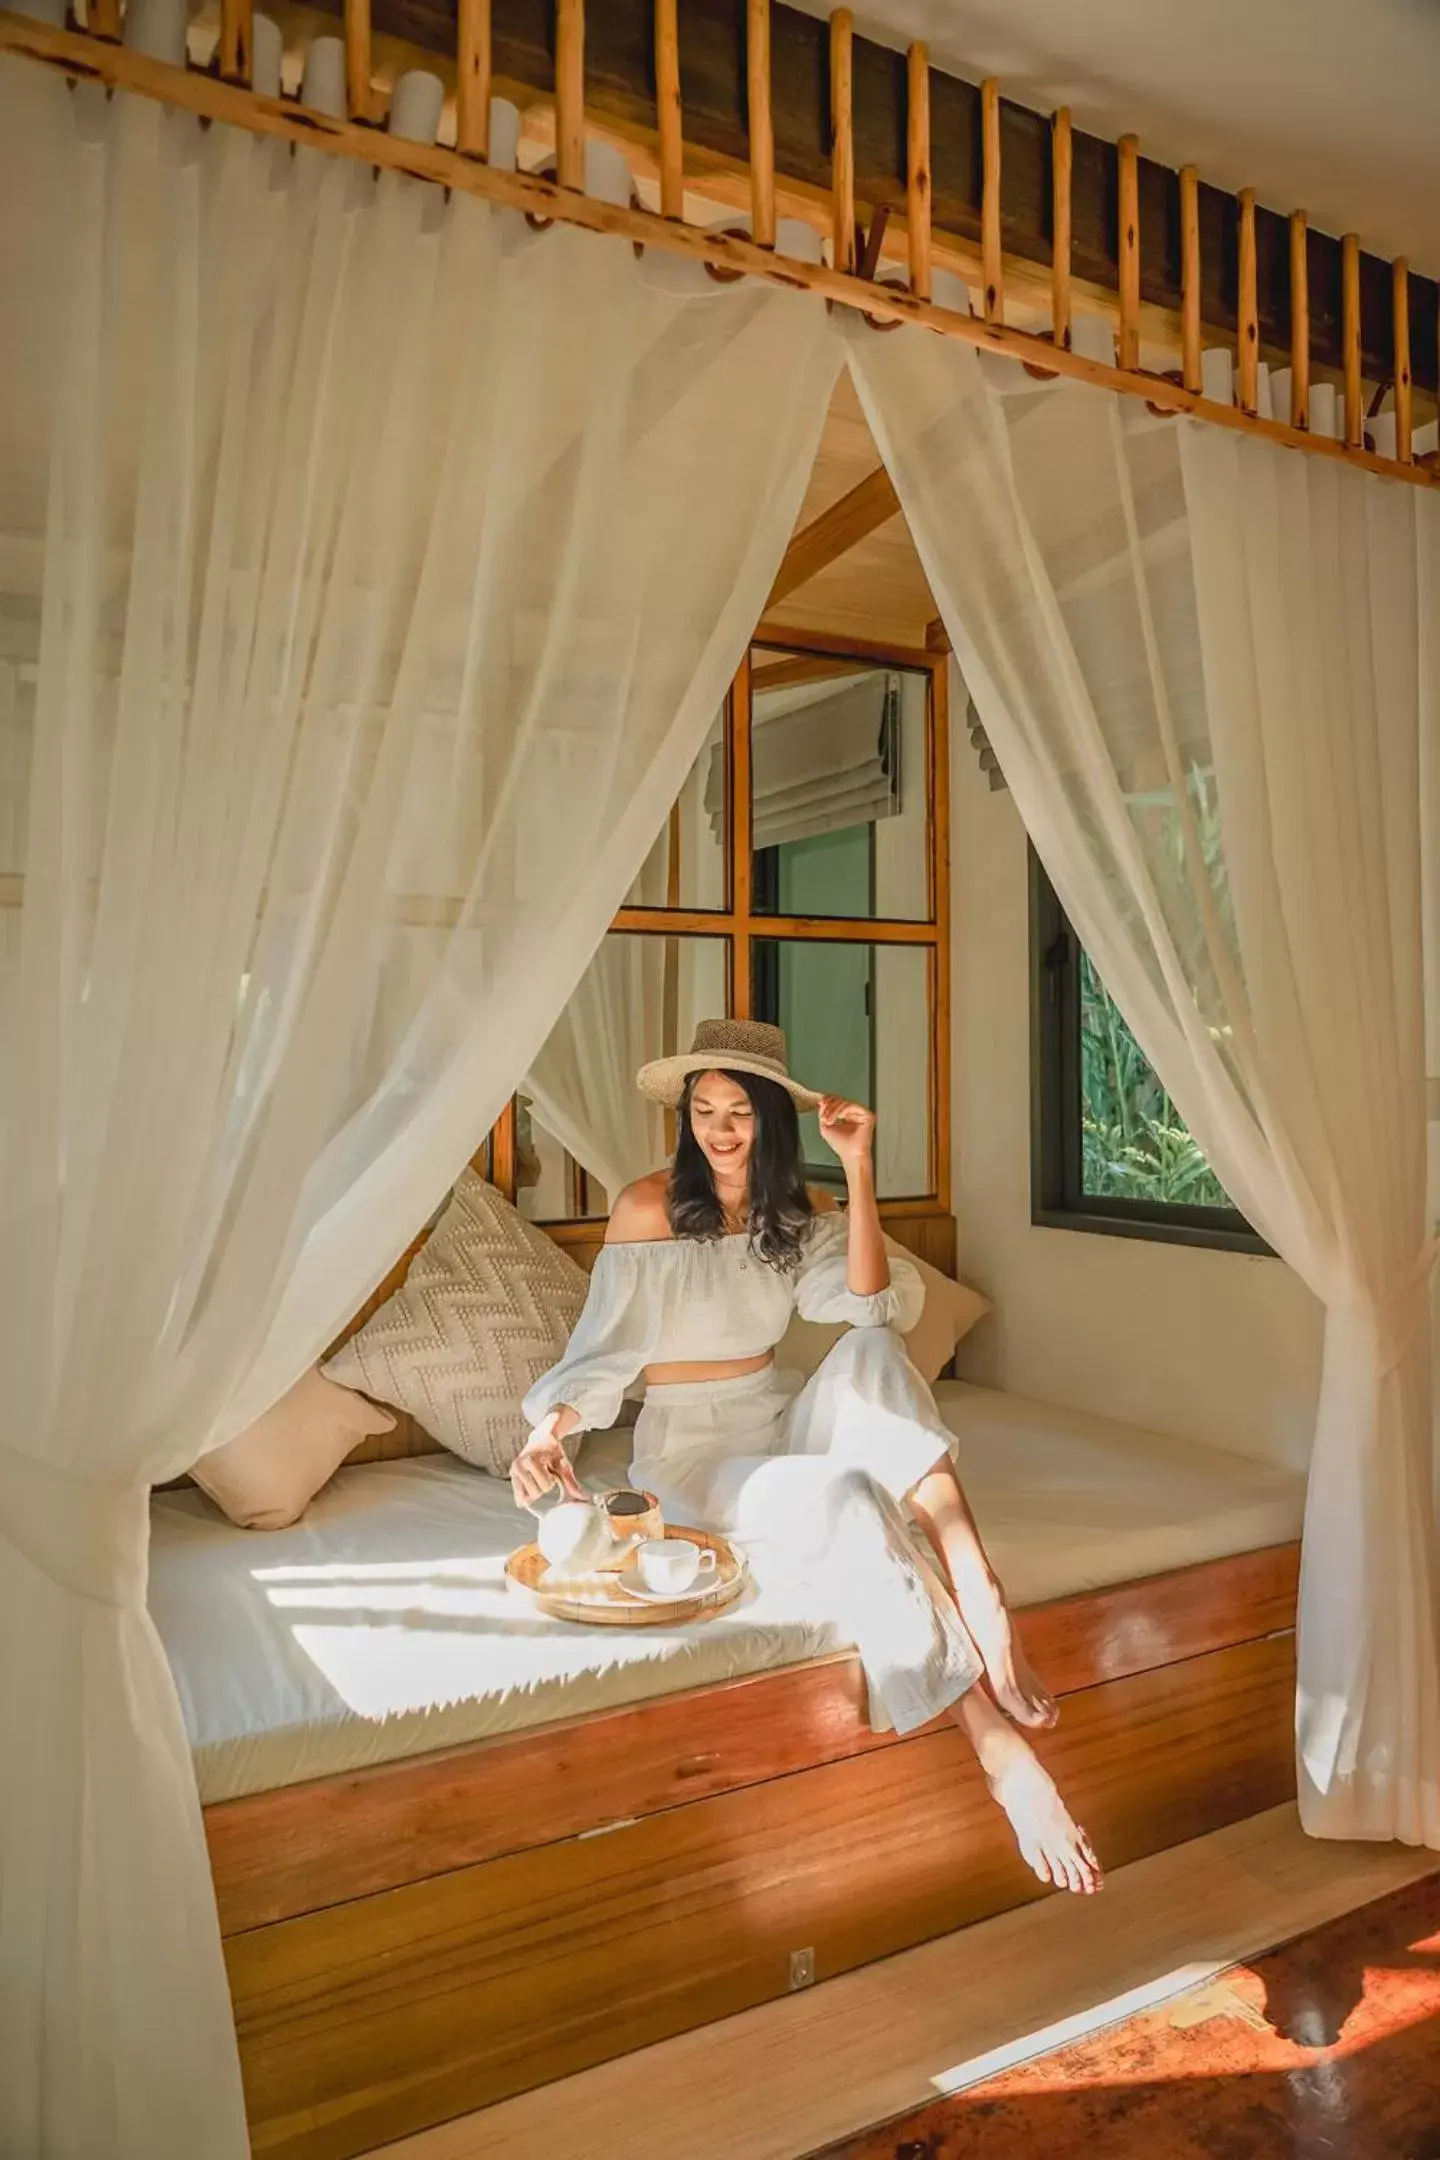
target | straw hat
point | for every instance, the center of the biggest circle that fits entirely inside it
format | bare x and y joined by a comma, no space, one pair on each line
747,1046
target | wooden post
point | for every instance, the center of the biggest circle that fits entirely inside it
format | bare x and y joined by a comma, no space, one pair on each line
1248,319
102,18
1190,277
1128,349
762,123
237,40
1350,335
1299,321
842,137
670,114
570,93
1404,407
474,68
357,59
917,182
992,259
1062,163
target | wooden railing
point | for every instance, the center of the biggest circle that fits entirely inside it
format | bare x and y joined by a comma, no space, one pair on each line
853,274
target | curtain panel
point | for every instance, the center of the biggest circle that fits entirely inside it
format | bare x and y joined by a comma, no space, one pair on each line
1202,662
372,567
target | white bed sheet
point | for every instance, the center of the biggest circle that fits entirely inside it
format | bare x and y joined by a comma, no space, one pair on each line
381,1626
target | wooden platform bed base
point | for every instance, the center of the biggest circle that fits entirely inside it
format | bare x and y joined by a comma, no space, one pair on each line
413,1941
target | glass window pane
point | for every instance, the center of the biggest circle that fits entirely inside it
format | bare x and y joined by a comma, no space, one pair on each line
1136,1145
858,1022
840,787
686,866
586,1131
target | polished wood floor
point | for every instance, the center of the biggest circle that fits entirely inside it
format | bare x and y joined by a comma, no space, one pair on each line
1325,2048
802,2075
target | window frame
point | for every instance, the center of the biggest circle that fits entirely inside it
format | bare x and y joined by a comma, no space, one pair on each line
742,926
1058,1199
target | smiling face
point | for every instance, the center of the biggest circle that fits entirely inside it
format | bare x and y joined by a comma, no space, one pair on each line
722,1118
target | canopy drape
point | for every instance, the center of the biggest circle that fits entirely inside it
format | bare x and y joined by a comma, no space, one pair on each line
372,567
1202,662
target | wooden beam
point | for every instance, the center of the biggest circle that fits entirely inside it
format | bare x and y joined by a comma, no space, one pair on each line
236,54
870,504
474,78
1248,339
991,250
83,58
842,138
762,124
1404,404
669,109
917,168
797,668
1062,155
359,96
103,18
1350,270
1127,152
1299,322
1190,277
570,93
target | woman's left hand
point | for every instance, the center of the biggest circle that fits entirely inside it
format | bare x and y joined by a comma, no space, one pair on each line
849,1128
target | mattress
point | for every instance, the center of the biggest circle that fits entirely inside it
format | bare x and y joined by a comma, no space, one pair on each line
381,1626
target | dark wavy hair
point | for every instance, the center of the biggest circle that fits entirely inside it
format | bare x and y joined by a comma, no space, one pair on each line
781,1209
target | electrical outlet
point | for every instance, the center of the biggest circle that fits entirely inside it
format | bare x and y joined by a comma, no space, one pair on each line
802,1969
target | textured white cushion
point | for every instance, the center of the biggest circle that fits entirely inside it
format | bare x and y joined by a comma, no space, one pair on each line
266,1477
486,1308
951,1310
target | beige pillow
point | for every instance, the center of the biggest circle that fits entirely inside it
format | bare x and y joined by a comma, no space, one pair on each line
267,1475
487,1307
951,1310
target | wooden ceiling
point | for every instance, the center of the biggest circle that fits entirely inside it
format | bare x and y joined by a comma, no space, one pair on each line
871,585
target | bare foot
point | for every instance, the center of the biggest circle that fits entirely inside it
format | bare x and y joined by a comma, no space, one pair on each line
1053,1846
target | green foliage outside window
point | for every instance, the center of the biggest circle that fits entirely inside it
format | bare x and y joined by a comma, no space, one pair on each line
1137,1147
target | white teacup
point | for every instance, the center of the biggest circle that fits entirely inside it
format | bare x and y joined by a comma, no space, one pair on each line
670,1566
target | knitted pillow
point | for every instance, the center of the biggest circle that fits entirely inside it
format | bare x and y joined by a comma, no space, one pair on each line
487,1307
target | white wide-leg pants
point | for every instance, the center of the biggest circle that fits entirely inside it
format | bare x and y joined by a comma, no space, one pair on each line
814,1479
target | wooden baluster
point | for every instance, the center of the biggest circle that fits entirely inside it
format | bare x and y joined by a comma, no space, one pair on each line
1128,345
1248,315
570,93
1299,321
992,260
1190,277
762,123
1062,161
842,137
359,95
1350,336
474,69
237,40
1404,403
917,173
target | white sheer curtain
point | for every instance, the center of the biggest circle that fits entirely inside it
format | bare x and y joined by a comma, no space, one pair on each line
1199,659
371,567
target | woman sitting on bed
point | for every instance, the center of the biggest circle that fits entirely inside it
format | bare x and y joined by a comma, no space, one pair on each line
701,1269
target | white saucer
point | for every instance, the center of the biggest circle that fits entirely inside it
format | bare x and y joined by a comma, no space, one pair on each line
633,1583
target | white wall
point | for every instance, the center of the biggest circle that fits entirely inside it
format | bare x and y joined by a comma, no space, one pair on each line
1214,1346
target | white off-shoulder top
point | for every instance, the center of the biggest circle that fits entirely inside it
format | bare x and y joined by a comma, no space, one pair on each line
677,1301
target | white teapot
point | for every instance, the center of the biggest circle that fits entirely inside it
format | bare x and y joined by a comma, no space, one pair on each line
583,1537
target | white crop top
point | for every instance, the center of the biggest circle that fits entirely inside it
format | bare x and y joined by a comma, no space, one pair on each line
678,1301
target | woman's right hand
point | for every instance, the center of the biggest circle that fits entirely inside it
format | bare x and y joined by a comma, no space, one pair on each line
541,1463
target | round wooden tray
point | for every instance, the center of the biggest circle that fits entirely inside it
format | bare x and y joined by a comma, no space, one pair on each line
602,1602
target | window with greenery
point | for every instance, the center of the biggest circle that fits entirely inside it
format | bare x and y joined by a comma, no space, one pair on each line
1110,1150
802,878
